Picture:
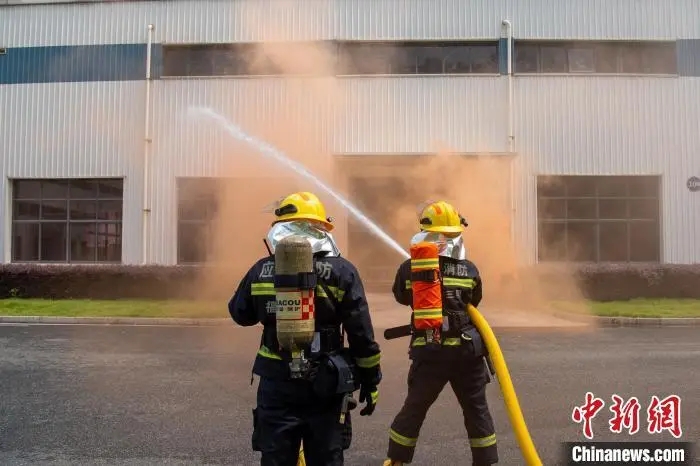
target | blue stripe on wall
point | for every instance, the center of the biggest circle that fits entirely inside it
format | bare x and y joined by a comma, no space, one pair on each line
688,55
503,55
120,62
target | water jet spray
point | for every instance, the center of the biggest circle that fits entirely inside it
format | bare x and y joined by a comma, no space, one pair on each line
270,151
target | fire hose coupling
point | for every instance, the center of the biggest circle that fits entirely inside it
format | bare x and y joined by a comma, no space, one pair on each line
295,283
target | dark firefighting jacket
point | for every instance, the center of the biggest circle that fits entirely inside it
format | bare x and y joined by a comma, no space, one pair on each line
254,302
461,285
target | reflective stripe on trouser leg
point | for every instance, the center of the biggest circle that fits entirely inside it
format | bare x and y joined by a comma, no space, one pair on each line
484,450
401,448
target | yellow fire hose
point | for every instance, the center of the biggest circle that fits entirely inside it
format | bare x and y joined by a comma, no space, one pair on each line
509,397
302,460
511,400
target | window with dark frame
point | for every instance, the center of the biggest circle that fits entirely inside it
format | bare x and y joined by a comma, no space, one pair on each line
67,220
599,218
198,205
595,57
349,58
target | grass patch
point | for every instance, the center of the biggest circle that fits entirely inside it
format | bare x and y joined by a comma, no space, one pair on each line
112,308
635,308
218,309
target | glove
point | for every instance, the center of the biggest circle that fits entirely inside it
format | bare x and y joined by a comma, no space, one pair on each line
370,394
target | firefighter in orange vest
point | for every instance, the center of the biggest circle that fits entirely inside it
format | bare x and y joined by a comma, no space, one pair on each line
438,282
309,400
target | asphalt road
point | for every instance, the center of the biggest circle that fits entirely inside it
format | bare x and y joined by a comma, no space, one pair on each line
182,395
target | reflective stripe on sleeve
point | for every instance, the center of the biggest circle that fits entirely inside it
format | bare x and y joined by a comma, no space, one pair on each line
262,289
265,352
459,282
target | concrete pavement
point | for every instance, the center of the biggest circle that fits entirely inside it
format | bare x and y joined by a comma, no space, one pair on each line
118,395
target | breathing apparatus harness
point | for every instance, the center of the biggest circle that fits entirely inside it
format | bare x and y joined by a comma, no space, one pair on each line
324,361
433,315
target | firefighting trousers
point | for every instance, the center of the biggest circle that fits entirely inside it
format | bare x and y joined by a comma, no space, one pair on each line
426,379
288,412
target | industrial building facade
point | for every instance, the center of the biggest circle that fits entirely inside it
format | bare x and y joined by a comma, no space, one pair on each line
601,97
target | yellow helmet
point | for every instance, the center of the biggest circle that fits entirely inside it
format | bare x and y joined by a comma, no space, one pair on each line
441,217
302,206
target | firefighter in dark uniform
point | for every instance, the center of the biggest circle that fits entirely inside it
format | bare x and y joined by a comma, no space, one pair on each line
309,409
456,355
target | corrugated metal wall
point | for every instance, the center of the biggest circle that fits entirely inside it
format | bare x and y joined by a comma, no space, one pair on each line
75,130
569,124
312,118
614,126
563,125
247,20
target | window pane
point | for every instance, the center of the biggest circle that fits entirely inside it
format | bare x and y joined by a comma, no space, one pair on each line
659,59
631,59
82,242
26,210
428,60
110,210
110,189
54,210
53,241
645,243
526,59
551,186
457,59
554,60
83,189
405,60
174,61
612,186
552,242
109,242
606,59
26,189
191,242
581,60
368,58
83,210
581,241
25,241
198,60
484,59
643,186
613,241
581,209
644,209
551,209
229,61
54,189
615,209
580,186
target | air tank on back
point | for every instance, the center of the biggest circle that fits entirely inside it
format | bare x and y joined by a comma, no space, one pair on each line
295,282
